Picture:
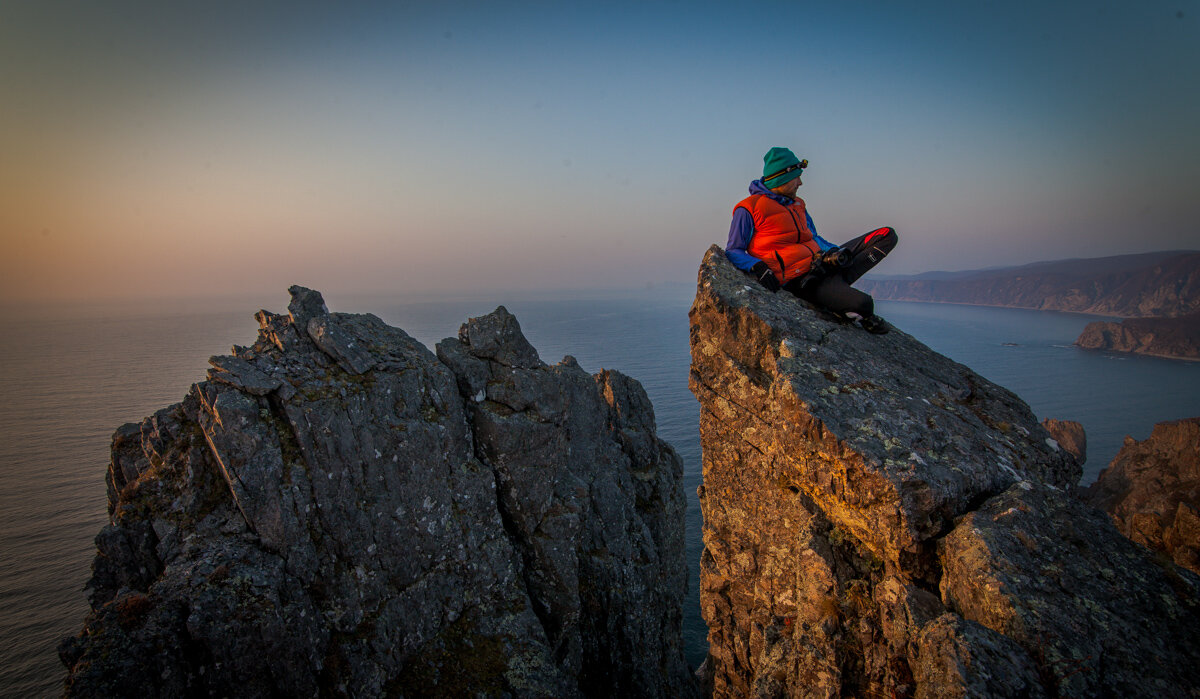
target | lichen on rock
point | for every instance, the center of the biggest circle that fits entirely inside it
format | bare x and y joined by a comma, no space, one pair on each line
860,498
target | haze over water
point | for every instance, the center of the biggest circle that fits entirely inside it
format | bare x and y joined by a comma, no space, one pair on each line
70,381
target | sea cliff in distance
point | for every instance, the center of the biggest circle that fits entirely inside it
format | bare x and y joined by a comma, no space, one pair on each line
1177,338
1163,286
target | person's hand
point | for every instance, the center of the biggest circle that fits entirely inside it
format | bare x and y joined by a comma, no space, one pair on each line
765,276
834,257
817,268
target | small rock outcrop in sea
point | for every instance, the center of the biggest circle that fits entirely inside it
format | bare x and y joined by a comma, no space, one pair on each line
337,511
1176,338
1070,436
1152,491
881,521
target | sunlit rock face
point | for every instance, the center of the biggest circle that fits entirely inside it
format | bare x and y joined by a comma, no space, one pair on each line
881,521
1152,491
338,512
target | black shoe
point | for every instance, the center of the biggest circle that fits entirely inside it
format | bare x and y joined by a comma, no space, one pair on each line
874,324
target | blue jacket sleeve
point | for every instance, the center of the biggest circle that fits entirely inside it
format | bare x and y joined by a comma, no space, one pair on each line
812,227
741,230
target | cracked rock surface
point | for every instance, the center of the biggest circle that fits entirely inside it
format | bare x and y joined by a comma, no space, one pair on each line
337,511
881,521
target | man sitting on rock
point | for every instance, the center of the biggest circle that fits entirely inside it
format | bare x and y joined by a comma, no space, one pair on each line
773,237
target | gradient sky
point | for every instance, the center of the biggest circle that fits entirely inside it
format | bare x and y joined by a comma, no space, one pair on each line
171,149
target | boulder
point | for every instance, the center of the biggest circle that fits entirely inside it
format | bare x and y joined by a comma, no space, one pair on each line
1070,436
860,498
338,512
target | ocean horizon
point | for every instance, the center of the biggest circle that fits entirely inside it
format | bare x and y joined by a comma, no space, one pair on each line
73,376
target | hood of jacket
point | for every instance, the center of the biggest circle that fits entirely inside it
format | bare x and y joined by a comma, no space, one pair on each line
757,187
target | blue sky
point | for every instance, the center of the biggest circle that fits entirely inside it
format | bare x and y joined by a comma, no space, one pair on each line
474,147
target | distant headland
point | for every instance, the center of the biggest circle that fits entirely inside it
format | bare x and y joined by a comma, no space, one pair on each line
1158,293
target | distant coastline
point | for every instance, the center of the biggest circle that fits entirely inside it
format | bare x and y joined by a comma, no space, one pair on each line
1156,296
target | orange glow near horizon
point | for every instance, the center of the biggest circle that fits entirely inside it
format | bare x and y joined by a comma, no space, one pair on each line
192,152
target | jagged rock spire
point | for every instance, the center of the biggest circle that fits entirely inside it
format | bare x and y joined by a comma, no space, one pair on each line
336,511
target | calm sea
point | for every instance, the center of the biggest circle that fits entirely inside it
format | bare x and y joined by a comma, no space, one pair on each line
69,378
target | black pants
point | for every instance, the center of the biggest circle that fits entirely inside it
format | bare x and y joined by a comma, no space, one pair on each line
833,291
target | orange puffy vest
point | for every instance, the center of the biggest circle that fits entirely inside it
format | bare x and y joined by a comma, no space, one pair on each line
781,236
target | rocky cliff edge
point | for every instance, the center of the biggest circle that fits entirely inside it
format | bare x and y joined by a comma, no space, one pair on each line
337,511
881,521
1152,491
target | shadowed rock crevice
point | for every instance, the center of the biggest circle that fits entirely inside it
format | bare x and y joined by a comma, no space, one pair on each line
881,521
337,512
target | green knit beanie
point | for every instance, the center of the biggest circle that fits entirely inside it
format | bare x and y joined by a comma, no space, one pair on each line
780,166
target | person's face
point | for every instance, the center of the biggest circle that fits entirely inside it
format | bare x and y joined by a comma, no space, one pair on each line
789,189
